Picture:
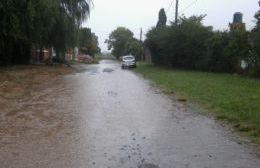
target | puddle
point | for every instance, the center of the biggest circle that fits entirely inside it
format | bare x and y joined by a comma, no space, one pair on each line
111,93
81,70
148,165
108,70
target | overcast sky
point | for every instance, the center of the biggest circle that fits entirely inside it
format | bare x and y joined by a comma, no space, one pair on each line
107,15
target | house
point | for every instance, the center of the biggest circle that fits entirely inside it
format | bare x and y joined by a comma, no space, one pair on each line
45,54
41,55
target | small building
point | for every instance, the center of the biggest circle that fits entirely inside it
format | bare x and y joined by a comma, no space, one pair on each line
41,55
45,54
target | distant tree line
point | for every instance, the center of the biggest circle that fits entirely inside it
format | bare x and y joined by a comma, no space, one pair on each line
191,45
27,24
122,42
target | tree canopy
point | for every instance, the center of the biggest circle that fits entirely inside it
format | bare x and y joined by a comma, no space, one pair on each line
122,42
255,42
191,45
256,35
134,47
88,42
41,23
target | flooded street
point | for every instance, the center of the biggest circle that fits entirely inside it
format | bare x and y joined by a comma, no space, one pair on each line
106,117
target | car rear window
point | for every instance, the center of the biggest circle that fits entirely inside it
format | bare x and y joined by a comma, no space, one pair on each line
128,58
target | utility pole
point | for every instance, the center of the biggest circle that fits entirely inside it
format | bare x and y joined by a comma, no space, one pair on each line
141,34
176,12
141,39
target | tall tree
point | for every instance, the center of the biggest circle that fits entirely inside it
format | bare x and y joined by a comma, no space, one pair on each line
162,18
71,14
255,38
256,33
88,42
41,23
134,47
179,45
117,41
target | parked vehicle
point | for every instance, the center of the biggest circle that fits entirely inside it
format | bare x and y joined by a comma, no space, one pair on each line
85,58
128,62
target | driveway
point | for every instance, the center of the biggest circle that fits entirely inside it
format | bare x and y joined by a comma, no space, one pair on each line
106,117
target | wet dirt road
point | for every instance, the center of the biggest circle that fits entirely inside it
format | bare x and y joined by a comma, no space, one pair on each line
106,117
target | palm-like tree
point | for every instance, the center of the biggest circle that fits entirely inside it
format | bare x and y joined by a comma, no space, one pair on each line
72,13
76,9
39,23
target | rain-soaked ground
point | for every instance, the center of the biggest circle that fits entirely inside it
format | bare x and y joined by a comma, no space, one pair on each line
106,117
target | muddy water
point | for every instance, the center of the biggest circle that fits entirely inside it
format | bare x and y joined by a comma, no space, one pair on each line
111,118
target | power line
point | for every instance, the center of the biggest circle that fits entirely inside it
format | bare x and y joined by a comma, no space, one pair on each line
176,9
190,5
187,7
170,5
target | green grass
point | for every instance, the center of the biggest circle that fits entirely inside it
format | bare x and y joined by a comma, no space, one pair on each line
230,97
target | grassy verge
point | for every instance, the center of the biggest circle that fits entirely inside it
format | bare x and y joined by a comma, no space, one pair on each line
232,98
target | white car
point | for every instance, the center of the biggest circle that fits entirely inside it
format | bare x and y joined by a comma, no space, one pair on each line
128,62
